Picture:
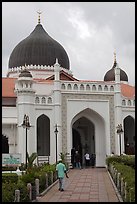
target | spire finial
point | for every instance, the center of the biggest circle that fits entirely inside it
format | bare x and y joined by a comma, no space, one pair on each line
115,58
39,12
25,66
56,60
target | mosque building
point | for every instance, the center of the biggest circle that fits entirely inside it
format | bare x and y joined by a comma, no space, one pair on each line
40,88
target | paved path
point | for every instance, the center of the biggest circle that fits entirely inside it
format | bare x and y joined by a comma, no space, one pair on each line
85,185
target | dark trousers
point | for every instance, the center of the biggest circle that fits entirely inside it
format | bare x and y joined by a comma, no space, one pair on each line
87,162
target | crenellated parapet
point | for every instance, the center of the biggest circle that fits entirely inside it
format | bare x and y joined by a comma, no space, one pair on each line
37,71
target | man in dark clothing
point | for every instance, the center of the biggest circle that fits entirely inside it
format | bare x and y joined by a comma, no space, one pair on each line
77,160
73,157
93,159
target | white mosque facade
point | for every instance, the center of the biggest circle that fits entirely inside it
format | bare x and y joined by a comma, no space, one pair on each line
40,84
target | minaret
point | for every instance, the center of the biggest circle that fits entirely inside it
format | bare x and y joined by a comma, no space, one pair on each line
118,107
57,105
25,106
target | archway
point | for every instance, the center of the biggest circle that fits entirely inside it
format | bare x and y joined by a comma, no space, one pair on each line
129,135
83,137
43,135
93,134
5,145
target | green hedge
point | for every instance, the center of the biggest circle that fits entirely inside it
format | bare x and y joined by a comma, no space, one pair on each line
8,192
128,175
9,177
12,182
128,160
125,165
9,168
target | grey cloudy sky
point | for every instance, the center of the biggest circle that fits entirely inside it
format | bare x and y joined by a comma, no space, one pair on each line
90,32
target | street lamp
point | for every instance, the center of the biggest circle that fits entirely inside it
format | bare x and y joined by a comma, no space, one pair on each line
26,124
56,132
119,131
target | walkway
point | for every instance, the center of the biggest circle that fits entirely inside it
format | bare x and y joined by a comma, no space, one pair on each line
85,185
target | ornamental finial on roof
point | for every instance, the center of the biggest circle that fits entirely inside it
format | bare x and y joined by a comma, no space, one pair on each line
115,58
39,12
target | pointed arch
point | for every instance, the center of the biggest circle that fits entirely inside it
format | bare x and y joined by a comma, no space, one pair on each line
90,129
43,135
129,135
5,145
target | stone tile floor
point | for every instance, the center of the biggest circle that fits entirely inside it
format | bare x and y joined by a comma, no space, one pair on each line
85,185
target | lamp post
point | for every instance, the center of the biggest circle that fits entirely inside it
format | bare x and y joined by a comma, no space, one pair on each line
26,124
119,132
56,132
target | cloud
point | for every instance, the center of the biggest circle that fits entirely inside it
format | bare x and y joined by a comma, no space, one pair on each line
90,32
77,20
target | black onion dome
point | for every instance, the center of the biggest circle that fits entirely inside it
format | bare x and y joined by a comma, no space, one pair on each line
110,75
25,73
38,49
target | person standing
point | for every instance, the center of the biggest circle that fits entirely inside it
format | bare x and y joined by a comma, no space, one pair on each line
87,159
73,157
61,172
93,160
77,160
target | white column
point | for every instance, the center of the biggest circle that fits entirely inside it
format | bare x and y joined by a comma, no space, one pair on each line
57,108
118,108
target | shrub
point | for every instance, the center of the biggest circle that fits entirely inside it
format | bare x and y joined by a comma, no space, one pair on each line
125,159
42,181
10,177
125,165
28,178
24,195
8,191
9,168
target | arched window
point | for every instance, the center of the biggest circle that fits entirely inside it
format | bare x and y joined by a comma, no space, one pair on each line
111,88
63,86
69,87
75,87
105,88
129,102
43,100
87,87
99,88
5,145
37,100
123,102
49,100
81,87
43,135
93,88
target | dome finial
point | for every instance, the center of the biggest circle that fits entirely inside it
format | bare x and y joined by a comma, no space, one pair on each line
115,58
39,12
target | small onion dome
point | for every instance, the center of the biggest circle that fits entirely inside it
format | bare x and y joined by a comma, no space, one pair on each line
25,73
110,75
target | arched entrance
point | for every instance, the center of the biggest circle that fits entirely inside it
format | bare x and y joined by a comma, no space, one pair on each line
129,135
89,132
43,135
83,137
5,145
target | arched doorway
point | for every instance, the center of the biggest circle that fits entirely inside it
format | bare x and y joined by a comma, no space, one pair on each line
5,145
43,135
129,135
83,137
90,130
